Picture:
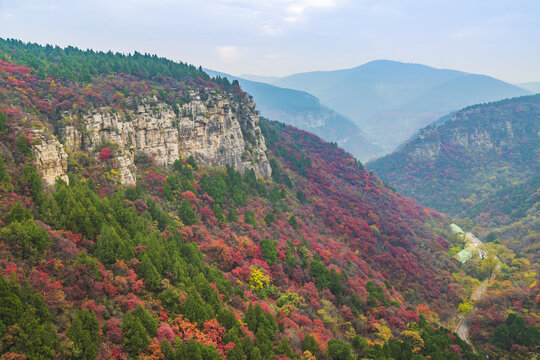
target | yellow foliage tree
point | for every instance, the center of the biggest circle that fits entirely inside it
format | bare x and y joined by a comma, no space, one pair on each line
308,356
414,339
350,333
489,265
465,307
258,279
383,333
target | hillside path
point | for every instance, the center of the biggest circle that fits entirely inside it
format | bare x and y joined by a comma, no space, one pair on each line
463,323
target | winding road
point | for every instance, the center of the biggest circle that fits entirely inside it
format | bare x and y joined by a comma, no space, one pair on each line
463,322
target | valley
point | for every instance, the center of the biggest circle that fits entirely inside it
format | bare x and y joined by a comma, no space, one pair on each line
149,212
463,321
474,167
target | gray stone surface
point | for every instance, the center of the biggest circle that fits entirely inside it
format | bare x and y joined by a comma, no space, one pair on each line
216,131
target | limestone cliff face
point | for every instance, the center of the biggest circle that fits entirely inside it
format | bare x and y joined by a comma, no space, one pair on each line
473,129
216,131
51,159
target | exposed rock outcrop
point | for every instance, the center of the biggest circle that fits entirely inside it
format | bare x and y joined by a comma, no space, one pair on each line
51,159
216,131
482,137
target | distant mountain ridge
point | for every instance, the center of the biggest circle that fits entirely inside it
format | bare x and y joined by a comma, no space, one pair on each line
534,87
305,111
391,100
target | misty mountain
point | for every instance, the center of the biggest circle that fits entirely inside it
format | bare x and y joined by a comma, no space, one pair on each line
305,111
533,87
391,100
259,78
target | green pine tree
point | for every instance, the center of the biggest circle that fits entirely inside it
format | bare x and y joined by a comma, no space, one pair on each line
148,272
146,319
111,247
135,337
187,214
5,179
310,344
293,222
30,183
269,251
3,121
84,332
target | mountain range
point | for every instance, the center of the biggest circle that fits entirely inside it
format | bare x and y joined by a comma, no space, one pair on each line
147,212
390,101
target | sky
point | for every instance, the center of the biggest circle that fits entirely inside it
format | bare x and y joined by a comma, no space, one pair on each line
281,37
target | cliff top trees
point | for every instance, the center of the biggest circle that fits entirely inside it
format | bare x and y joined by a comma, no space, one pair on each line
83,65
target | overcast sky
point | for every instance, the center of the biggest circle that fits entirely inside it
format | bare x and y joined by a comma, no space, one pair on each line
280,37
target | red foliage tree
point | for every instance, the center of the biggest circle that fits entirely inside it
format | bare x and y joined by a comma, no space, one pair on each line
105,154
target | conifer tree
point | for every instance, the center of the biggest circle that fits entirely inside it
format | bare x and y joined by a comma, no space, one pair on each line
30,183
194,310
269,251
293,222
146,319
149,273
3,121
11,307
23,145
339,350
27,238
310,344
187,214
111,247
136,337
84,332
5,179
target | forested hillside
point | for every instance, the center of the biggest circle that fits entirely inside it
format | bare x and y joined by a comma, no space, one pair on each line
480,164
318,260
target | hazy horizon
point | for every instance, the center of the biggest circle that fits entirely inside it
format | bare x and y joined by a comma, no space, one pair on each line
283,37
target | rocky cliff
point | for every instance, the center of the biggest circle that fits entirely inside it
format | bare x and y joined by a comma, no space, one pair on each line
50,157
215,130
483,136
